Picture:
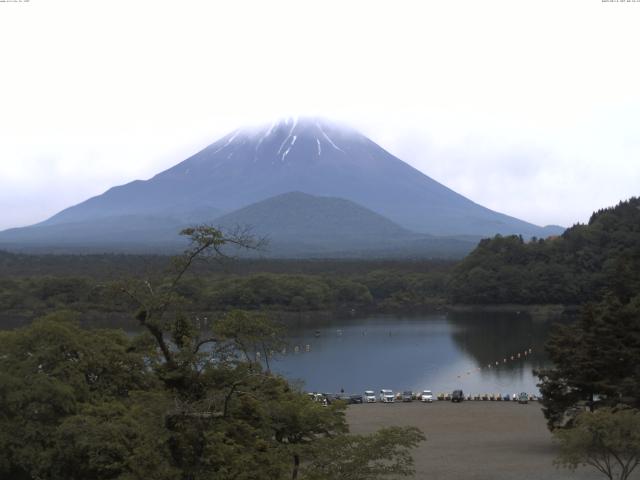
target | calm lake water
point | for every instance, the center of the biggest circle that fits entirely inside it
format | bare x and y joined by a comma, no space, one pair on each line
441,352
437,351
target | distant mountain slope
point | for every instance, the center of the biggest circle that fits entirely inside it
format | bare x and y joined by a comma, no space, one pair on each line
310,156
298,224
303,217
131,233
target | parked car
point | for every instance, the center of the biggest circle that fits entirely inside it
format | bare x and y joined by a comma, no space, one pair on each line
370,396
331,397
349,399
407,396
426,396
523,397
387,396
457,396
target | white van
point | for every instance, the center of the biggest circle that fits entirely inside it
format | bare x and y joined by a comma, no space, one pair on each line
387,396
426,396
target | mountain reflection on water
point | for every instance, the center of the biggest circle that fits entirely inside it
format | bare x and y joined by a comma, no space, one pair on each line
441,352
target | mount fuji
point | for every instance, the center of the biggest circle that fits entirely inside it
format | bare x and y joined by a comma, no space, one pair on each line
389,201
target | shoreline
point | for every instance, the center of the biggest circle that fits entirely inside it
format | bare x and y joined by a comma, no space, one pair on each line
119,319
535,311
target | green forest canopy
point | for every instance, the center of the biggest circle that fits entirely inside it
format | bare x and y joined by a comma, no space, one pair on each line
576,267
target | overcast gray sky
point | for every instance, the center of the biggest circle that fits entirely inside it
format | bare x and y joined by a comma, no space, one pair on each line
531,107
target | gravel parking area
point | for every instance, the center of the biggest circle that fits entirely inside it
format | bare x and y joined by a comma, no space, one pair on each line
473,440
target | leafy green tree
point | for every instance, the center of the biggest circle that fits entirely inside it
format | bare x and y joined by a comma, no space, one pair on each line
224,399
607,440
114,440
175,403
68,399
595,358
253,334
299,425
366,457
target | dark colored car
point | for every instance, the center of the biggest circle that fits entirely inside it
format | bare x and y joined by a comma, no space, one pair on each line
407,396
350,399
457,396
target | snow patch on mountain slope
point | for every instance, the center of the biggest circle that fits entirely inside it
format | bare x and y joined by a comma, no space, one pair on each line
328,139
290,147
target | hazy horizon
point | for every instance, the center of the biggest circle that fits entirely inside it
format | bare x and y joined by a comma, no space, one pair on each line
528,109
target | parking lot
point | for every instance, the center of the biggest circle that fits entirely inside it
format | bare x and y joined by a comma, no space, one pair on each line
472,440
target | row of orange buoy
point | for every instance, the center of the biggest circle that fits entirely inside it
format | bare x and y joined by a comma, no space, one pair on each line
509,358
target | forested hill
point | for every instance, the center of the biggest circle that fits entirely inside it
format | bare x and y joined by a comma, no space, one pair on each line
578,266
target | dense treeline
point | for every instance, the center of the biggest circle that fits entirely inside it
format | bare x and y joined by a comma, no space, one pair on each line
382,288
571,269
576,267
31,296
116,266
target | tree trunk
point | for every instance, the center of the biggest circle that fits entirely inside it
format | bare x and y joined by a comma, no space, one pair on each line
296,466
266,357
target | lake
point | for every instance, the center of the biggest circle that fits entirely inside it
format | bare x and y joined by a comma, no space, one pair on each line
440,352
437,351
